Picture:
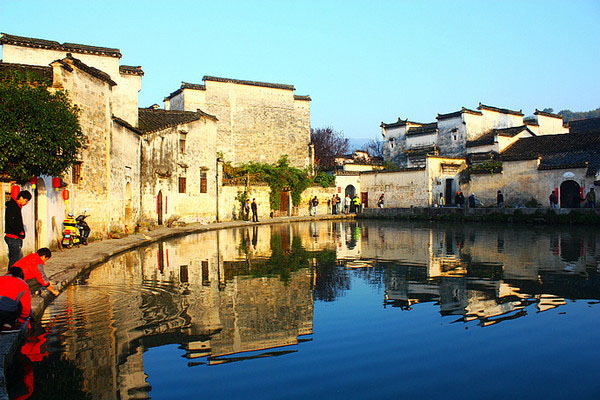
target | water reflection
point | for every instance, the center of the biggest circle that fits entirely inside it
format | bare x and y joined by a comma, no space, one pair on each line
250,293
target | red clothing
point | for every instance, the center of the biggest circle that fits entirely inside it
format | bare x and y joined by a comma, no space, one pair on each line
12,287
33,268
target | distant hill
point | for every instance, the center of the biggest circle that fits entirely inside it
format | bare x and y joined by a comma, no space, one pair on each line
357,143
569,115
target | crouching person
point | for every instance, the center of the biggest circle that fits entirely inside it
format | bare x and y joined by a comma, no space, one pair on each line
15,300
33,268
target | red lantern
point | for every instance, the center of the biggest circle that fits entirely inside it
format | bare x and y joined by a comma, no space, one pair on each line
14,191
56,183
65,195
33,182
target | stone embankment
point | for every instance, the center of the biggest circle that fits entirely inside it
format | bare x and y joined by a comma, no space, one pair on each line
580,216
66,265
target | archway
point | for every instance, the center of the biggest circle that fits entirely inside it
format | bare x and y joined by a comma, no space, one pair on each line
350,190
41,214
159,207
569,194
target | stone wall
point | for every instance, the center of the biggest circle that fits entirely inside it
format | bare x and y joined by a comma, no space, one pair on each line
230,208
92,191
521,180
164,164
269,121
124,95
401,188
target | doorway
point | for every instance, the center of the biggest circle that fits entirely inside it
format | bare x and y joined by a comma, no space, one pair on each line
570,194
41,214
350,190
285,202
449,191
159,207
128,205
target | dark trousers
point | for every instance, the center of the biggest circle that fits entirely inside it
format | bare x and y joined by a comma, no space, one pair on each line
254,216
14,250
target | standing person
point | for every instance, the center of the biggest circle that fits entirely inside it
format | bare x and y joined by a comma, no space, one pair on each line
441,202
254,207
13,226
338,203
247,210
472,203
553,200
459,199
356,203
33,268
333,205
500,199
590,198
347,202
380,201
315,203
15,299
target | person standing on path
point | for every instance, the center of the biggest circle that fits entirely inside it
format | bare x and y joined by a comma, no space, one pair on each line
356,203
380,201
14,231
334,204
254,207
500,199
553,200
314,203
590,198
33,268
347,202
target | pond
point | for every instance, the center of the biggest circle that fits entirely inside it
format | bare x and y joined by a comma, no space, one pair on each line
339,310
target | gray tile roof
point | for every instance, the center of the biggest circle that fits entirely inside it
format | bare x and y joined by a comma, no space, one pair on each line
52,45
558,151
31,72
152,120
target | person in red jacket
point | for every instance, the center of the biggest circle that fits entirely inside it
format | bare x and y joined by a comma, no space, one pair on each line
15,299
33,268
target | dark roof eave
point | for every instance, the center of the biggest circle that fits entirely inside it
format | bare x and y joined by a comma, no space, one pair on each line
53,45
250,83
126,124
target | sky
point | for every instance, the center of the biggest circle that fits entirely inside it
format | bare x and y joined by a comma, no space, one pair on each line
361,62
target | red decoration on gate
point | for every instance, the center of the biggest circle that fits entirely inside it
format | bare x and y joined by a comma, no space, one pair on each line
56,183
14,191
33,182
65,195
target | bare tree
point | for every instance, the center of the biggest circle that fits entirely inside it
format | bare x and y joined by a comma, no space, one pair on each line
374,147
328,144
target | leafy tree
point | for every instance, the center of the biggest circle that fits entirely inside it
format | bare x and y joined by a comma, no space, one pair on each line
39,128
328,144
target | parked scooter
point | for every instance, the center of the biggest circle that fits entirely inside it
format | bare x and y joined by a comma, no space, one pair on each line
76,230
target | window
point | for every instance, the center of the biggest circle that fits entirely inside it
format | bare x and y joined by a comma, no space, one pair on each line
203,182
182,182
205,276
183,274
76,173
182,137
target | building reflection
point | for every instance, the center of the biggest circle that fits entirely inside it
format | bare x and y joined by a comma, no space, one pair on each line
469,272
240,294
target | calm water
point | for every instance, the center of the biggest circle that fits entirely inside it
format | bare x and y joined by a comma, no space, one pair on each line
335,310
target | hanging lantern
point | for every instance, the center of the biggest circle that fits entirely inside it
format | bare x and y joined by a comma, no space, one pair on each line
14,191
65,195
56,183
33,182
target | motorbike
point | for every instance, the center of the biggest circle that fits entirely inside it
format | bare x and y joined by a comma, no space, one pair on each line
76,231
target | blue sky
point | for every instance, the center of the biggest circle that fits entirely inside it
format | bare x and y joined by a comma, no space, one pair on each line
362,62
